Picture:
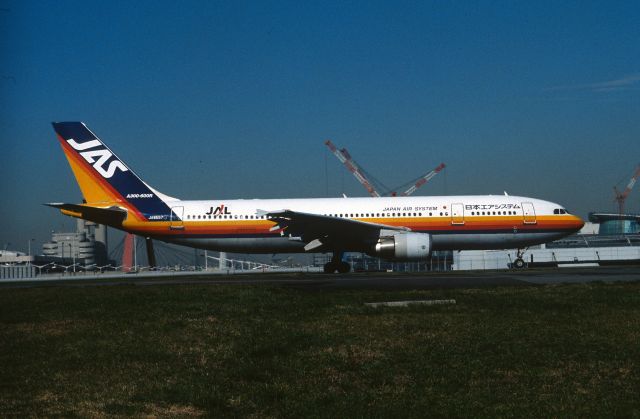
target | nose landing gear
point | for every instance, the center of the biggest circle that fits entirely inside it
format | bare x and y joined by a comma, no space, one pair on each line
519,263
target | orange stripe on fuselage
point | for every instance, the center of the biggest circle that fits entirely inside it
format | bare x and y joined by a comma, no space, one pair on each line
434,224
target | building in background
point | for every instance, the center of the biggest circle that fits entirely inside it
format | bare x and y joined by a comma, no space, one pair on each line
87,246
616,224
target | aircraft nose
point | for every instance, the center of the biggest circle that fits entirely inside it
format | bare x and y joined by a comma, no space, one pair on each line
577,222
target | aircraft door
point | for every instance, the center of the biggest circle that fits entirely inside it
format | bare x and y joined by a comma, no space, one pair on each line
529,213
176,216
457,214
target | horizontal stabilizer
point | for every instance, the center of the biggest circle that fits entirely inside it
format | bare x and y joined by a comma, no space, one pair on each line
112,216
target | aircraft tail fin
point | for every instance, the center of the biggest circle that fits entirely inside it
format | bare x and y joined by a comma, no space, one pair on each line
103,178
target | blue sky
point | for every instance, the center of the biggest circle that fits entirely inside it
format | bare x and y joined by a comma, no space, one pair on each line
235,99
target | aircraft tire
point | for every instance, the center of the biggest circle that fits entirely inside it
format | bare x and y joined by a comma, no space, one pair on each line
329,268
344,267
518,263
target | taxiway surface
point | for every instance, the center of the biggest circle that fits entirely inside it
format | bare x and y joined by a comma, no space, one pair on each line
365,280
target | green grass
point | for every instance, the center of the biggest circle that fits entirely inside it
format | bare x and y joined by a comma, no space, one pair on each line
269,351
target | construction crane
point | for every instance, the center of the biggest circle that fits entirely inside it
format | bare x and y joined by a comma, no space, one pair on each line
363,177
621,197
423,179
345,158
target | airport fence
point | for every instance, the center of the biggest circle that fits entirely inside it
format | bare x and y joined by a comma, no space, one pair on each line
17,271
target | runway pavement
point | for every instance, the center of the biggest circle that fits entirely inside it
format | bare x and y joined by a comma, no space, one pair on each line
365,280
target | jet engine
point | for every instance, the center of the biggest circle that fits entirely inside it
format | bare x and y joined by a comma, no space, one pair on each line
394,245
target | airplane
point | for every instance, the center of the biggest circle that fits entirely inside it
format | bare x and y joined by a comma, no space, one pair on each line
394,228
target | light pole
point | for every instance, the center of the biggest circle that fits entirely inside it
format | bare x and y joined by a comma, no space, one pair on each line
73,255
135,255
29,243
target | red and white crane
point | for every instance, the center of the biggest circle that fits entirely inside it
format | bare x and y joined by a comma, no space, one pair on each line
621,197
424,179
346,159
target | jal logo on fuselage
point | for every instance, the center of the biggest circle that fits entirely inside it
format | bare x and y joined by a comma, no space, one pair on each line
101,154
219,210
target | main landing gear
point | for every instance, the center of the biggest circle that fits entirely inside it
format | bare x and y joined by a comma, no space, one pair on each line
519,262
151,256
337,264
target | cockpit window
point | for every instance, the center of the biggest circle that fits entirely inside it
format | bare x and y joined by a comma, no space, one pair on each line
560,211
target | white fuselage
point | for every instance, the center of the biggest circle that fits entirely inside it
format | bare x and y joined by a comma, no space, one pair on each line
454,222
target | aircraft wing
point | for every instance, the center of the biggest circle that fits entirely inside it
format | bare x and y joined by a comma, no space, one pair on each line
112,216
320,231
